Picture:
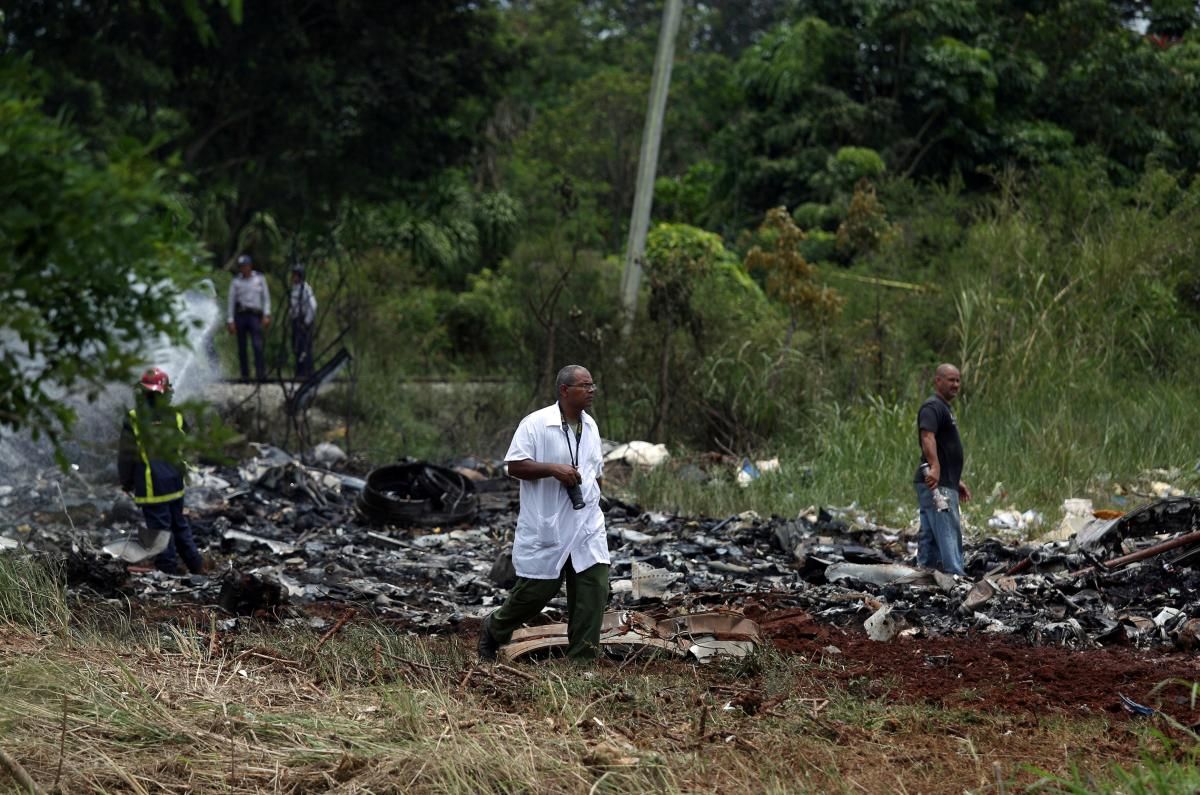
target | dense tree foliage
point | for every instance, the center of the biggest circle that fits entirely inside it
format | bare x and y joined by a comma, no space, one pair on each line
90,245
957,87
463,173
287,107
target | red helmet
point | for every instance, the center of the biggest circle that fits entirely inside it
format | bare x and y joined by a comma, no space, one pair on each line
155,380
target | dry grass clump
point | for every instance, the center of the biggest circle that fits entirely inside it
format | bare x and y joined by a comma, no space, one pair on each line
179,708
368,713
32,594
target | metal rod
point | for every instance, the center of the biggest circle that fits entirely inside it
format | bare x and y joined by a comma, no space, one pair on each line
1157,549
1019,566
1142,554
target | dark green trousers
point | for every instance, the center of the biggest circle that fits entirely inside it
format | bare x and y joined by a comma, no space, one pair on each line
587,596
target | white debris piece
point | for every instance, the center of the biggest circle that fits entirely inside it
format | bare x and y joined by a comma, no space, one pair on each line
707,648
205,479
1164,490
328,455
635,536
1014,520
875,573
749,472
134,548
881,626
1167,615
1077,512
649,581
642,454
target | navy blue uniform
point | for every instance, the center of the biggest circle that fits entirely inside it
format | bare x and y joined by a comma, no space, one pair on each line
155,478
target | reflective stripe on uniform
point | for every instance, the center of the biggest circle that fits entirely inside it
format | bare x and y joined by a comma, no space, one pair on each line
151,498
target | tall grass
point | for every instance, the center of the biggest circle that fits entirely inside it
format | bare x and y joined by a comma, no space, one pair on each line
1071,309
33,594
1031,452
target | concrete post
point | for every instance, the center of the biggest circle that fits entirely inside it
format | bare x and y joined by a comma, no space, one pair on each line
639,222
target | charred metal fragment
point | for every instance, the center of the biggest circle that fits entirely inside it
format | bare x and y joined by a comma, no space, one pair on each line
702,636
417,494
244,594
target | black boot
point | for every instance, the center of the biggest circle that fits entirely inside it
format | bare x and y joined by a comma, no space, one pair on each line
488,645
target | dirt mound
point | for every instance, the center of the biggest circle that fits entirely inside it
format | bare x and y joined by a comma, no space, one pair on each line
991,672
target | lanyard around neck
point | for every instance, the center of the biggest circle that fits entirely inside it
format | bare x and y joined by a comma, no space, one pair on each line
578,436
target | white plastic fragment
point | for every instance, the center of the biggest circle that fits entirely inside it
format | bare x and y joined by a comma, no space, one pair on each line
707,648
749,472
201,478
1166,616
328,455
1076,506
1164,490
881,626
1015,520
643,454
1077,513
136,548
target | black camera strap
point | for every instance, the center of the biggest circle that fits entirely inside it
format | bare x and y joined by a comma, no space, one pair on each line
578,436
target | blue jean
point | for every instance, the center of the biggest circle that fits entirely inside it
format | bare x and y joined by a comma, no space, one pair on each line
169,516
939,542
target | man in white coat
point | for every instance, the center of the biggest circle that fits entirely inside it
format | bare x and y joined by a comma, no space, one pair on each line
560,535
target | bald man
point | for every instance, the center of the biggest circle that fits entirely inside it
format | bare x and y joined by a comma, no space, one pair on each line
560,536
938,480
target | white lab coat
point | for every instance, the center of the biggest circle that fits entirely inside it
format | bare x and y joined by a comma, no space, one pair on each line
549,530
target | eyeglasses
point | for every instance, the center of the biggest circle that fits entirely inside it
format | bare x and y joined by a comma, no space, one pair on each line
588,387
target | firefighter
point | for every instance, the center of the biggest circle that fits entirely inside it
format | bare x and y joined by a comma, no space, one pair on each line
151,468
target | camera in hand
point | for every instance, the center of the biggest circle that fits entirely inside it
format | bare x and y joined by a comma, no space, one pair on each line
573,491
576,495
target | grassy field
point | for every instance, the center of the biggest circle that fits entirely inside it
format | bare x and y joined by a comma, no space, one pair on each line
109,704
166,710
1031,453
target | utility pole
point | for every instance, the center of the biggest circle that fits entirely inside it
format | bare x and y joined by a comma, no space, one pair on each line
639,222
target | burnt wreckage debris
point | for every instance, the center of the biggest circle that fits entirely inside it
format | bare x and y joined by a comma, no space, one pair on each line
417,494
281,534
245,594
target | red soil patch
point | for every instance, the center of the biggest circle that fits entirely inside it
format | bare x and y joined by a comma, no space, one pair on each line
990,672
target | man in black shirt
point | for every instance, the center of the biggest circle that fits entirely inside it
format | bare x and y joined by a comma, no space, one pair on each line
938,479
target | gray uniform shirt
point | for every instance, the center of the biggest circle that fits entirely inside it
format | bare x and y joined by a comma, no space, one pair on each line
250,293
